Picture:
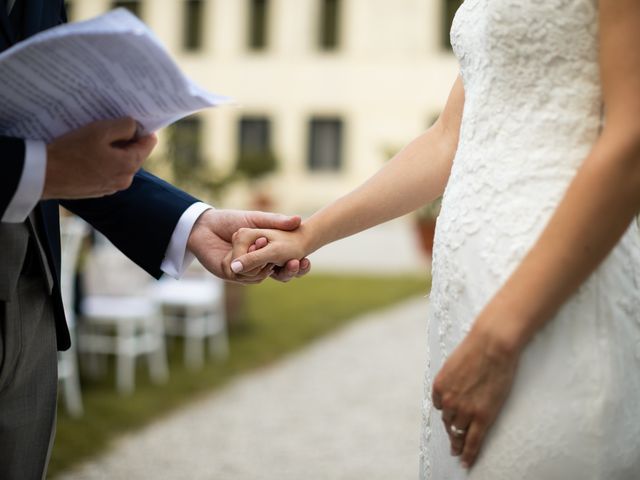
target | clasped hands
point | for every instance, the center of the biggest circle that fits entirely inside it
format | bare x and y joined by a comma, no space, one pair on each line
220,237
256,251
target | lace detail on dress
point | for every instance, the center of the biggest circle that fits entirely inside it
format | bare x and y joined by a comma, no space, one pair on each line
531,116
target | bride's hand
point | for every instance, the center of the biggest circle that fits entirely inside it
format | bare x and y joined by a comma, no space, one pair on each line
472,387
253,249
294,268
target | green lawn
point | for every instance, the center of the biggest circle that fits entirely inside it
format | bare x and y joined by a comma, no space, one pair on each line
277,319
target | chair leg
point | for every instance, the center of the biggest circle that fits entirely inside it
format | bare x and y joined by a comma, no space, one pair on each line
194,342
93,364
71,388
218,339
70,383
157,358
125,373
125,358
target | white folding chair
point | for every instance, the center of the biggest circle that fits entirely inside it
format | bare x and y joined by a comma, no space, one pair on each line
72,232
120,318
193,308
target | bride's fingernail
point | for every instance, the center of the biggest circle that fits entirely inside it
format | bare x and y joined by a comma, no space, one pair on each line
236,267
465,465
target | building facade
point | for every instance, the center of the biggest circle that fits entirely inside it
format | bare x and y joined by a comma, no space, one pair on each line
330,89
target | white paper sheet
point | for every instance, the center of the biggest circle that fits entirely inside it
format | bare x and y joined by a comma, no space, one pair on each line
108,67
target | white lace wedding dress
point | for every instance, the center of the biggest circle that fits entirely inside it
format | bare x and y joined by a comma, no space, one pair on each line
531,116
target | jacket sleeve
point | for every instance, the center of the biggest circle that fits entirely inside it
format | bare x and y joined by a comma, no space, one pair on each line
12,158
139,221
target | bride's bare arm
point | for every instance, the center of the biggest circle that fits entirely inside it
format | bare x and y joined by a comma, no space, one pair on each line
413,177
596,210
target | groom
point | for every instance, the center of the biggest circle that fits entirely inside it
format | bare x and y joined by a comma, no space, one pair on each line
94,172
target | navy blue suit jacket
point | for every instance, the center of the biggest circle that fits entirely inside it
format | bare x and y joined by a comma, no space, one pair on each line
139,220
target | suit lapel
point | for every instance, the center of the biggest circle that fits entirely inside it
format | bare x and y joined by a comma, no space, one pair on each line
5,25
49,220
38,15
33,12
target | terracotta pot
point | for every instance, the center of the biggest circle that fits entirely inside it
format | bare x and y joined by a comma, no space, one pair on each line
426,229
263,202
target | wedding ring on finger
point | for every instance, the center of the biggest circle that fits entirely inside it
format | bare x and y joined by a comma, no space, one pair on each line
457,432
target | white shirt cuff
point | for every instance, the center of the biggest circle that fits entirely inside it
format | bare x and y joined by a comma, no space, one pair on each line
177,258
31,183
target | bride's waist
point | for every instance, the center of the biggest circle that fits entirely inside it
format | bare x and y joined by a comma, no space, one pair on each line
498,239
554,117
538,138
520,155
503,187
496,209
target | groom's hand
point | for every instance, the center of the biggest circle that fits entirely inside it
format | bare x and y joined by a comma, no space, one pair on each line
96,160
253,248
211,242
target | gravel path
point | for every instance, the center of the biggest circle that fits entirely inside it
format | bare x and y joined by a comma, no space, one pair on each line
346,408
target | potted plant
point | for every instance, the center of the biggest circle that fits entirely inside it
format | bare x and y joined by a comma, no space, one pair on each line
426,217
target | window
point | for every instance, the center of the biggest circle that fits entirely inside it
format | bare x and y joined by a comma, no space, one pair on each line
325,144
449,11
185,146
258,24
192,39
329,24
255,135
132,5
255,156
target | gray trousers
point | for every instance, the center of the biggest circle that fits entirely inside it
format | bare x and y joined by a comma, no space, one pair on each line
28,371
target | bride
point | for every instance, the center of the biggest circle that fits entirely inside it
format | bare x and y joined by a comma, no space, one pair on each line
534,315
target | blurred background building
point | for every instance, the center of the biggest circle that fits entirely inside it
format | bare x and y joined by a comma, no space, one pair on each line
326,90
